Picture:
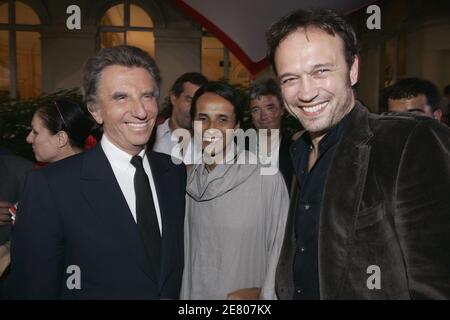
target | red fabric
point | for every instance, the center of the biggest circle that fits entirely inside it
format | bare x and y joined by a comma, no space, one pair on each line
90,142
38,165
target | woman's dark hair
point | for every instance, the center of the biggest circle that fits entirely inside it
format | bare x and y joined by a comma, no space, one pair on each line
224,90
69,116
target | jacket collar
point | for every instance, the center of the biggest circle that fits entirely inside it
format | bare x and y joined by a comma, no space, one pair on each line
340,205
103,193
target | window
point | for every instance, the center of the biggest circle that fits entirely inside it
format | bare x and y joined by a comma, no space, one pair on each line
394,59
214,57
127,23
20,51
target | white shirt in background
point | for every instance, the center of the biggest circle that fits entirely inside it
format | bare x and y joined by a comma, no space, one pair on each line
166,143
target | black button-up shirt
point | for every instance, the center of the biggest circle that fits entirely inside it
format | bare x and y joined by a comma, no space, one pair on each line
307,215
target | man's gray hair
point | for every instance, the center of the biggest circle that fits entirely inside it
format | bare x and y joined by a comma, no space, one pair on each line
127,56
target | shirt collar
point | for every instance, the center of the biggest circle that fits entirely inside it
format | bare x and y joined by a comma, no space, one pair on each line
163,128
331,137
116,156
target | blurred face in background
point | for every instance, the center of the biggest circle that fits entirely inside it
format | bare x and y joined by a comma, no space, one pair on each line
45,144
266,112
182,106
418,105
218,120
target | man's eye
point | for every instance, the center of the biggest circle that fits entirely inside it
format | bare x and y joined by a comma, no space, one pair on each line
287,81
321,72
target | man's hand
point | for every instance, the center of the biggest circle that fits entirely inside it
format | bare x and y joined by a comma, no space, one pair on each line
245,294
5,216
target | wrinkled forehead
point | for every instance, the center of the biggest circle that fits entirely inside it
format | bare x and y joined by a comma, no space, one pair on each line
264,100
405,104
213,103
116,74
310,43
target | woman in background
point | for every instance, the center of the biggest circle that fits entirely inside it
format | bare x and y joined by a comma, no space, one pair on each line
59,129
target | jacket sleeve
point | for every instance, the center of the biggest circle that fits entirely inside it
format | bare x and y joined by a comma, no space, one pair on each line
37,253
422,207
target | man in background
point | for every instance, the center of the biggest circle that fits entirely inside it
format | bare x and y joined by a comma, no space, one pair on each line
267,111
179,101
13,172
415,95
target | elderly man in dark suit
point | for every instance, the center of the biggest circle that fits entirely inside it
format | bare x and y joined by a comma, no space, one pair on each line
108,223
370,220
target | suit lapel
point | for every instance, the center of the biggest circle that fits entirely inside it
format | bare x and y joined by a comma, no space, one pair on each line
103,193
340,205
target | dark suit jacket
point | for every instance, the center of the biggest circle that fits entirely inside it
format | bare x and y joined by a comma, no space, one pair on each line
385,204
13,171
74,213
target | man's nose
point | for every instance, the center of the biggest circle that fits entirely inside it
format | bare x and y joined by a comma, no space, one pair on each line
138,110
211,125
265,115
29,138
306,90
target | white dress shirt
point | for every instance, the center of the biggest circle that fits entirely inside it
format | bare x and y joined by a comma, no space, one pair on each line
166,143
124,173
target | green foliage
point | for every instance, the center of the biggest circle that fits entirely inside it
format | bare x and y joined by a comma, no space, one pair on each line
15,120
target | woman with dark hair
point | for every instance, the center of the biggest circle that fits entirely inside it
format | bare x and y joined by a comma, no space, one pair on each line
59,129
235,214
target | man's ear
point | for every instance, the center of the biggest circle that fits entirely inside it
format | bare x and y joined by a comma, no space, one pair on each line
172,98
354,71
62,139
95,111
